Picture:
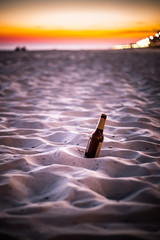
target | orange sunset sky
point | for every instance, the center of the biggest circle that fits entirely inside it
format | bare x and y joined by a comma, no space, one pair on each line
76,24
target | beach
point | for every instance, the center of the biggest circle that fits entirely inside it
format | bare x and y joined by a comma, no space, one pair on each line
50,104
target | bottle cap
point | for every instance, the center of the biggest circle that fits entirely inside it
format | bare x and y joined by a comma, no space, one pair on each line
103,116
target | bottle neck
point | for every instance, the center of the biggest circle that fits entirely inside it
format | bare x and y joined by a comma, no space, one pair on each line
101,124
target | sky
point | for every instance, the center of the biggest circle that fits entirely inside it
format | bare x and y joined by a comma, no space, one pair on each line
76,23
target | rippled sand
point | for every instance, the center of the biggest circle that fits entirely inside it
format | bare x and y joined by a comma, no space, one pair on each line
50,103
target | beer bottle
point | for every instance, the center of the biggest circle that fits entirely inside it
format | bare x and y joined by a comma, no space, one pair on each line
96,139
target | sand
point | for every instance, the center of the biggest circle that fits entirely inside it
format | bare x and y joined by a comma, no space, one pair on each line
50,103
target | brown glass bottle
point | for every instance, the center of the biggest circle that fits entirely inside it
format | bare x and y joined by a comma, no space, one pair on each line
96,139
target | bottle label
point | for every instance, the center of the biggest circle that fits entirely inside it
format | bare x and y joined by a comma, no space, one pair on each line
98,149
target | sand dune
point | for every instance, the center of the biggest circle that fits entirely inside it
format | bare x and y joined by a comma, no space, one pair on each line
50,103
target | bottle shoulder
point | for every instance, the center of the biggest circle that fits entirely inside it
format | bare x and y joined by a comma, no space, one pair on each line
98,134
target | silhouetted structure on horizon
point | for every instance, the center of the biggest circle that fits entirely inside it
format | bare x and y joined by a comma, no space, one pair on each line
148,42
155,42
22,49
